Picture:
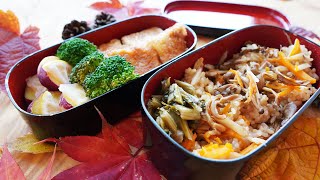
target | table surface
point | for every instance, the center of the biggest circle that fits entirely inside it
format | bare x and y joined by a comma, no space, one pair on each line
50,17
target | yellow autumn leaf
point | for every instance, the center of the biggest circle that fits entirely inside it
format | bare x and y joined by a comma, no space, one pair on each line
294,155
29,144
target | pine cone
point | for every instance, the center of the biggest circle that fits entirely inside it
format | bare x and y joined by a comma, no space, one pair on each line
103,19
74,28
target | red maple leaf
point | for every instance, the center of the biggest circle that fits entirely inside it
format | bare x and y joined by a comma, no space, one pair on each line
117,153
9,169
104,5
14,47
121,11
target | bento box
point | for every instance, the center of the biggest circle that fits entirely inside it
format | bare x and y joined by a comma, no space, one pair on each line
114,105
171,157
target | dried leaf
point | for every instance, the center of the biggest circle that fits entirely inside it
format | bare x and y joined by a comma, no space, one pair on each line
14,47
46,174
9,169
294,155
9,22
117,154
29,144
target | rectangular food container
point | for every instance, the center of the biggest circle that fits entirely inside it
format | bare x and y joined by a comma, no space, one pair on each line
114,105
173,160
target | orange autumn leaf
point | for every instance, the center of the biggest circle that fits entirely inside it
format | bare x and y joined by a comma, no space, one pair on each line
9,21
294,155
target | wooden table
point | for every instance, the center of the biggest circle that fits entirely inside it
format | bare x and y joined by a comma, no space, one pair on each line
50,17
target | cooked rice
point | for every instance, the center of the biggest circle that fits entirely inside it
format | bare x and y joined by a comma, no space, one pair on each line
243,101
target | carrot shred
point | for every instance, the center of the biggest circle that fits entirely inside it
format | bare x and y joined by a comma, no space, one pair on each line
218,140
236,73
296,48
226,109
245,120
251,147
189,144
299,74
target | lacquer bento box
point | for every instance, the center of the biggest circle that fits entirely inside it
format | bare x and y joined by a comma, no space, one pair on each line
143,40
215,107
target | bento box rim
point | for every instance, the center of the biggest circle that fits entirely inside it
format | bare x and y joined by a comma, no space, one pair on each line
288,23
79,36
260,147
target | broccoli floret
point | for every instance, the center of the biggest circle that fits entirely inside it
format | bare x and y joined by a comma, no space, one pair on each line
86,66
73,50
111,73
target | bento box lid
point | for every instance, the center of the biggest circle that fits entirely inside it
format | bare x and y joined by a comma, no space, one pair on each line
219,16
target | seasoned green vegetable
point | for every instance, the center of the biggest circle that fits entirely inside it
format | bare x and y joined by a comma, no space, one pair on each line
111,73
73,50
86,66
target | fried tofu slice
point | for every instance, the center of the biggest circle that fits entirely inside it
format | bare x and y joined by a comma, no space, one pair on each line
110,46
142,37
170,43
143,58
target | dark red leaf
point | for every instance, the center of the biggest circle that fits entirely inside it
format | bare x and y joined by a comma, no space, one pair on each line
113,165
141,168
131,130
88,148
14,47
114,141
109,156
9,169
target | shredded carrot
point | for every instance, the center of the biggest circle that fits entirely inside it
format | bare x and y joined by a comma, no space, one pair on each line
220,79
218,140
296,48
236,73
299,74
249,148
189,144
226,109
245,120
287,90
207,136
232,133
284,89
275,85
